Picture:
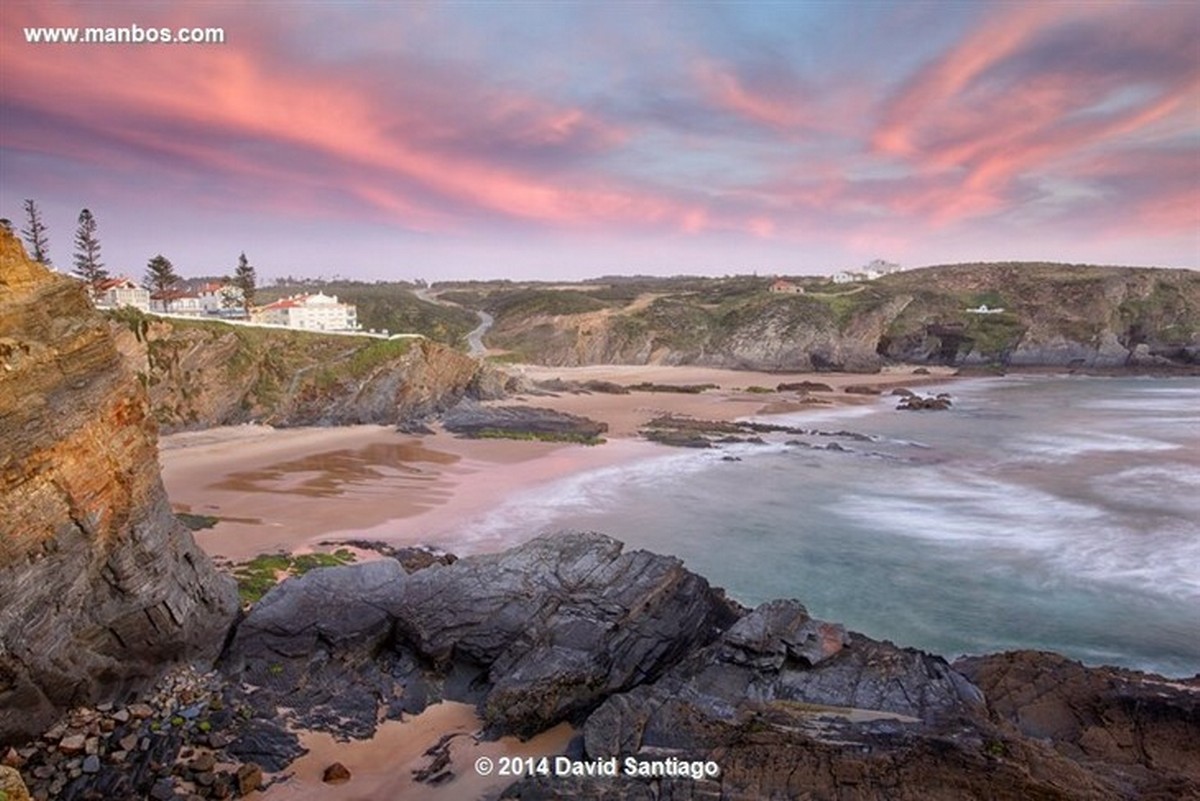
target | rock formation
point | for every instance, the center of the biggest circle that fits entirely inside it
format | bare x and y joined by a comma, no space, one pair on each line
99,584
538,634
655,665
205,373
475,420
1021,315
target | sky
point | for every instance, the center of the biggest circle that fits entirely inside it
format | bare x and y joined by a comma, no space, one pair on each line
568,140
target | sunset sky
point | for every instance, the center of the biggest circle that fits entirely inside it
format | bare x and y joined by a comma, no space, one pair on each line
568,140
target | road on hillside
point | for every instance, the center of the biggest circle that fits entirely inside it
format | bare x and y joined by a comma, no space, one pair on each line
475,346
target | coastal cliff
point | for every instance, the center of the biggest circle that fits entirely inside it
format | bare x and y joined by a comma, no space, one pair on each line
100,586
200,374
652,663
1018,315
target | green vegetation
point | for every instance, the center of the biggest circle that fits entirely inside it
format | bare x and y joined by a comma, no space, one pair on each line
538,436
687,389
757,390
197,522
256,577
131,318
366,359
390,306
536,302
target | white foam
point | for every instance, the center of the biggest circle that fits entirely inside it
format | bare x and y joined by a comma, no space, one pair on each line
1011,522
1064,447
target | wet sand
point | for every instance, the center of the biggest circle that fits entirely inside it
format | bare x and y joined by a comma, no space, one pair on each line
382,767
292,489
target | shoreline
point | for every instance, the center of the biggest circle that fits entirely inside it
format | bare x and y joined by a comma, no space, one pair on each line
289,490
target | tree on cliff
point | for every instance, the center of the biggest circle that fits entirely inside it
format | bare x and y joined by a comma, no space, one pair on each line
35,234
87,251
245,280
160,274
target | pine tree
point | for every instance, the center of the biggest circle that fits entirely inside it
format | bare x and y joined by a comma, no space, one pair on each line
87,251
160,274
245,280
35,234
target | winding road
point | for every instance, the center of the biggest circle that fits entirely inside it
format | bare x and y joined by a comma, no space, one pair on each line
475,346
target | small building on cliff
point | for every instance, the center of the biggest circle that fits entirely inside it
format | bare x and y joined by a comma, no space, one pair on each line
782,286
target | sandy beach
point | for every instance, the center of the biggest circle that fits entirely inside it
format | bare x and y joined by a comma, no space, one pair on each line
293,489
382,767
301,489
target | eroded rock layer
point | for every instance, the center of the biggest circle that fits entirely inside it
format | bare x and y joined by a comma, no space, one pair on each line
99,584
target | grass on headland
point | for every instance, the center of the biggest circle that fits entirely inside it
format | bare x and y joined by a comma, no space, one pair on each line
256,577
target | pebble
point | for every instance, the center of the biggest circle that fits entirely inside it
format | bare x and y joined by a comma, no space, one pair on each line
72,744
91,764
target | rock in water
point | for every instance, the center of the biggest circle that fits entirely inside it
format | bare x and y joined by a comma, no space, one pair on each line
100,586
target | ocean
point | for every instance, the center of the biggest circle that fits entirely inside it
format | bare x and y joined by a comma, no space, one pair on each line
1057,513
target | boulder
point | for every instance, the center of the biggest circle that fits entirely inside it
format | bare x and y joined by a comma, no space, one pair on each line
538,634
471,419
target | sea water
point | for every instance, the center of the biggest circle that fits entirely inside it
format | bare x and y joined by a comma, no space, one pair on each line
1049,513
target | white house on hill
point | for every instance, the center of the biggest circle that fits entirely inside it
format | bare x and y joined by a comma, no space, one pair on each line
319,312
113,293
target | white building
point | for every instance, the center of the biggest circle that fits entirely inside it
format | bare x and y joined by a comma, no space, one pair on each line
319,312
113,293
215,297
176,301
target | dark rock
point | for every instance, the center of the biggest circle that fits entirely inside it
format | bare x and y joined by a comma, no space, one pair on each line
473,420
918,403
411,558
921,371
162,790
866,720
804,386
605,387
524,627
268,744
337,773
862,389
902,392
91,764
416,427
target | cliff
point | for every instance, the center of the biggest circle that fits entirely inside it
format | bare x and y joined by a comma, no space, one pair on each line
206,373
1038,315
100,586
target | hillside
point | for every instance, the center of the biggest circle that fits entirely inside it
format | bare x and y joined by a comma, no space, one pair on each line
1038,315
391,306
206,373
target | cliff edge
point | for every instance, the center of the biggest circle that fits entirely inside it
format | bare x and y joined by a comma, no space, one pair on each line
100,586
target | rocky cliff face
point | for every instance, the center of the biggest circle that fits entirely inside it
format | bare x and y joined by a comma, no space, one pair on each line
99,585
204,373
656,665
1036,315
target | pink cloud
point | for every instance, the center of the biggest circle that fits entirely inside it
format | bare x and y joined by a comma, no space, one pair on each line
219,94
